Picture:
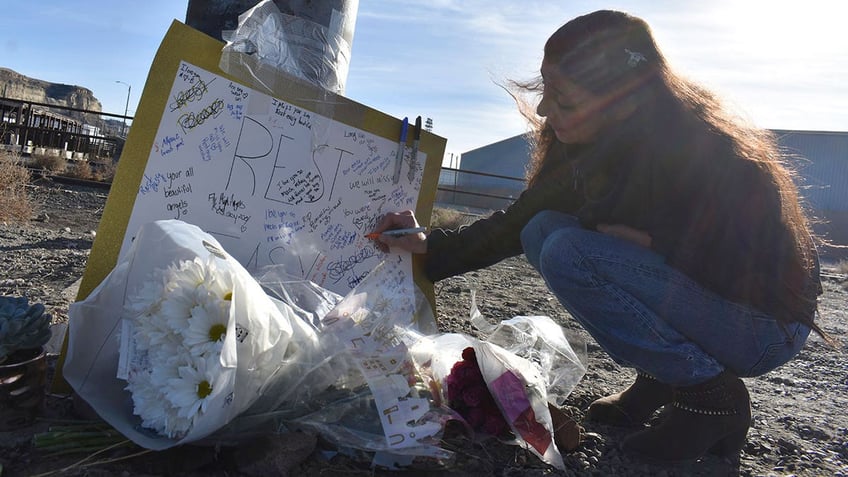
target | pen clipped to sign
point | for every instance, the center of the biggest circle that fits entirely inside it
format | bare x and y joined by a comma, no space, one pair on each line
413,158
404,128
397,232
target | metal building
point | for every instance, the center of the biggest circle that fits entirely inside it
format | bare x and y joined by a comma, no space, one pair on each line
821,162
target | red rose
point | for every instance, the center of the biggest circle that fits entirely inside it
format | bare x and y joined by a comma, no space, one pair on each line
469,396
457,367
476,417
474,395
473,374
452,385
495,424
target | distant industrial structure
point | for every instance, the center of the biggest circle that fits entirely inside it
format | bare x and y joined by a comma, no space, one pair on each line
31,128
491,178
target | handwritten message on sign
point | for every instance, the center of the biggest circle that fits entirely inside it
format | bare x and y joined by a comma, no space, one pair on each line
273,182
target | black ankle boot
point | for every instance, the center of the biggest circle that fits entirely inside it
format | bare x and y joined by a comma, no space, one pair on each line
634,405
712,417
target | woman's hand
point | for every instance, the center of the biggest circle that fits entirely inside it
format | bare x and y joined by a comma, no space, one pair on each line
639,237
415,243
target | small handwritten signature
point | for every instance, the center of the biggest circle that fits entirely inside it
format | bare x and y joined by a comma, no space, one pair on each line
338,269
189,121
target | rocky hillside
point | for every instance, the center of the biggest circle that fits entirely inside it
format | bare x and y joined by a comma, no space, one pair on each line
17,86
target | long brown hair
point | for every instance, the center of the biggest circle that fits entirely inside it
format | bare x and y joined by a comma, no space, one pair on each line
614,55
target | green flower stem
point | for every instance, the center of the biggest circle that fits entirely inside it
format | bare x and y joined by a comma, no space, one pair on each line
79,437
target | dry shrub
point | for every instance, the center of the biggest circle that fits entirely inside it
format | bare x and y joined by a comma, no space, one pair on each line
449,218
104,170
15,203
80,170
49,162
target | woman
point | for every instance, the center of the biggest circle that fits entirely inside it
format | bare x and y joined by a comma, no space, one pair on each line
666,227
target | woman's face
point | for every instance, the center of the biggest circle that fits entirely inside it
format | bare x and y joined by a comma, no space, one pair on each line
574,113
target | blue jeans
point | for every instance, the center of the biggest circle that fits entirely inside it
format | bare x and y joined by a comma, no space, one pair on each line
648,315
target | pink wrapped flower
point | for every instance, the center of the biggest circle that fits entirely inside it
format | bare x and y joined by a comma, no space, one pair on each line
468,395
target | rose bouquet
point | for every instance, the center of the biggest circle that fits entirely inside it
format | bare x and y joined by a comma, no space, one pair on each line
468,395
508,383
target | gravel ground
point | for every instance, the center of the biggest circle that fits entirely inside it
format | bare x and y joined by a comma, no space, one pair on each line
799,428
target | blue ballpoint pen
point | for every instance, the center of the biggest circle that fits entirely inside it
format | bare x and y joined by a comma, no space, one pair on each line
404,128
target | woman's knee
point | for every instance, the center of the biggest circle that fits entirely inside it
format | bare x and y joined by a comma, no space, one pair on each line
559,252
539,228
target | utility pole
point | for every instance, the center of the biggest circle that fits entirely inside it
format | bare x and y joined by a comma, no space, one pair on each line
126,108
337,17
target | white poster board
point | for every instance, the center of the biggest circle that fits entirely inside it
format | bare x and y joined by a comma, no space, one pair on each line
273,182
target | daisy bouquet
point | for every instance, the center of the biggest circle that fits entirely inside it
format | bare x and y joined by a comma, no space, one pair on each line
179,339
172,338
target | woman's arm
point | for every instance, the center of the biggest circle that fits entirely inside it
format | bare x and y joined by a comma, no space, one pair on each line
484,242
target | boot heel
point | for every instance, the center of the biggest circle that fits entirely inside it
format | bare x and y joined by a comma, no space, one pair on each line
730,445
711,417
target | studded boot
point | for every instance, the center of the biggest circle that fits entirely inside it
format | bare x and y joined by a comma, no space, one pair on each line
712,417
634,405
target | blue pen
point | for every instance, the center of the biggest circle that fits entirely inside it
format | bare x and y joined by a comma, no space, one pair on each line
404,128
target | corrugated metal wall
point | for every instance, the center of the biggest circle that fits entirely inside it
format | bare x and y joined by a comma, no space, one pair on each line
821,161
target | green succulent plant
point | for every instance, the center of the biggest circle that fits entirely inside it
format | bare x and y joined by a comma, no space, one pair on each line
22,326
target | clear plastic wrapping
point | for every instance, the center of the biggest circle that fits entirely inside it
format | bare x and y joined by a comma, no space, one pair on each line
367,371
316,53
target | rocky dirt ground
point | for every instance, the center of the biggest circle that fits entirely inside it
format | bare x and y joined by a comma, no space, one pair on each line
800,425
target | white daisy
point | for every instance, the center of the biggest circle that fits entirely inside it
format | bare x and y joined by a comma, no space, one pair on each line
213,295
180,319
190,392
146,299
165,367
148,403
154,330
176,427
176,306
219,281
188,274
207,327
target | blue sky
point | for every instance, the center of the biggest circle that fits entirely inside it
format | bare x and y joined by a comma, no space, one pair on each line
782,64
